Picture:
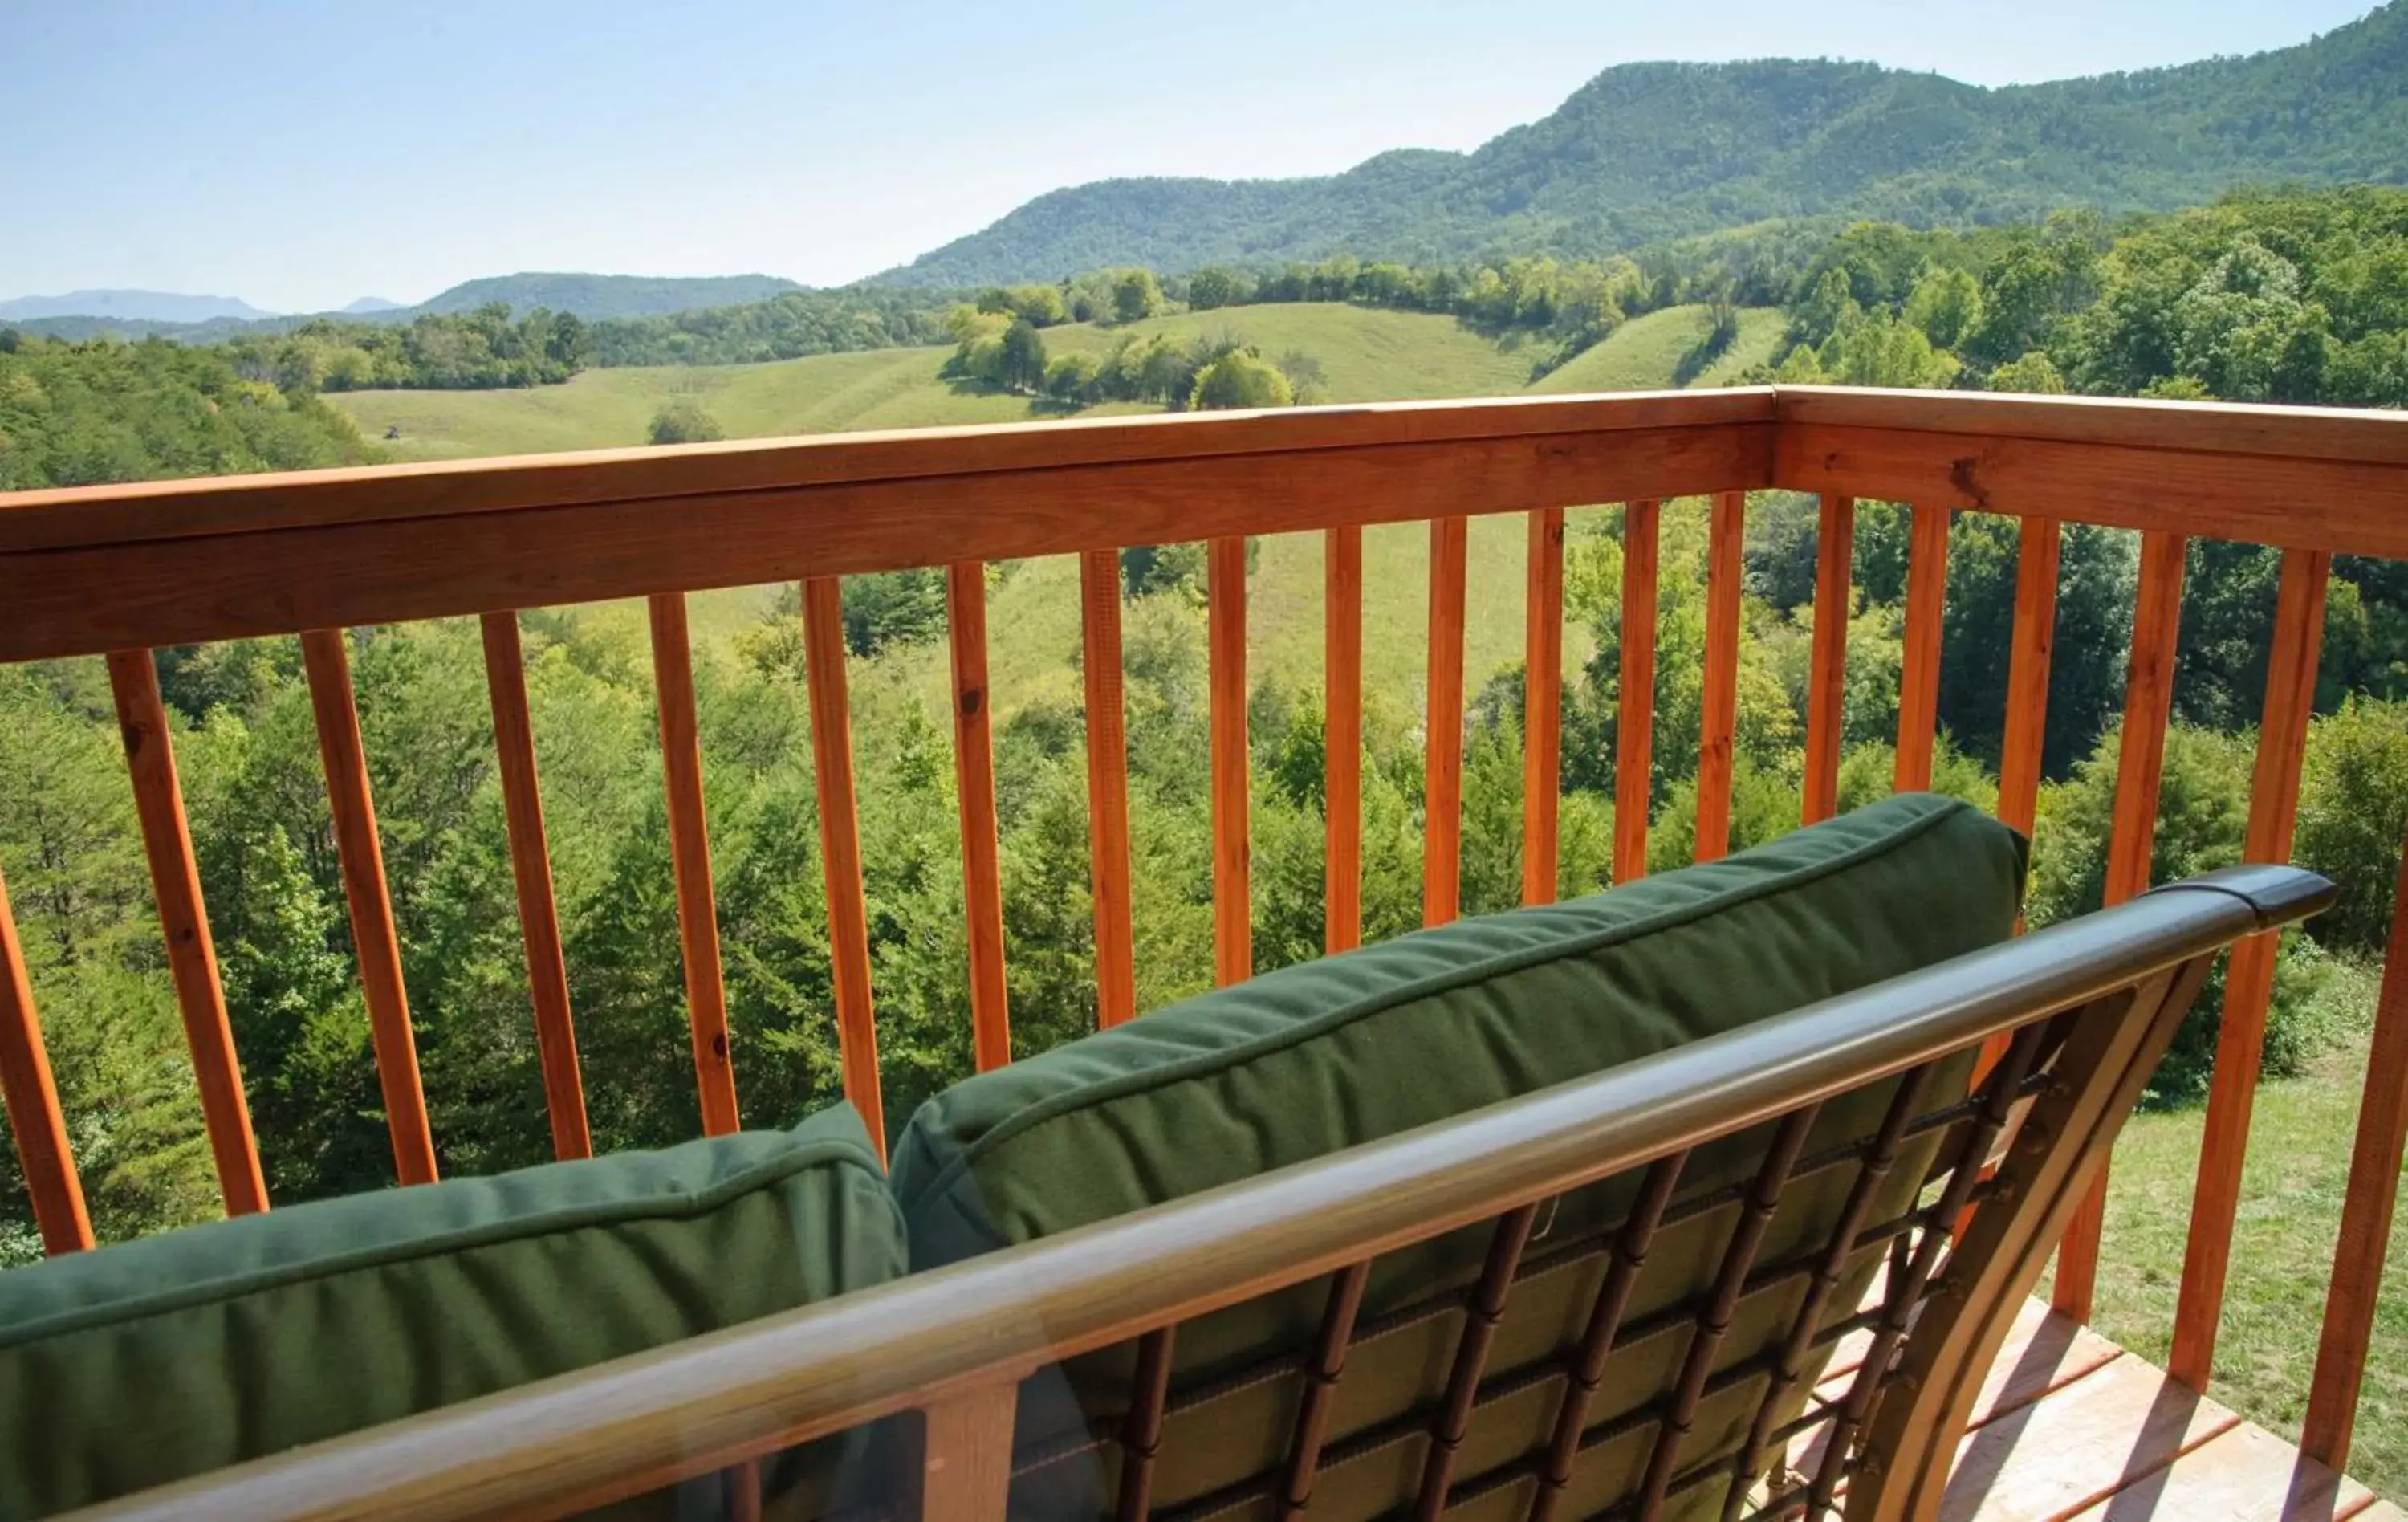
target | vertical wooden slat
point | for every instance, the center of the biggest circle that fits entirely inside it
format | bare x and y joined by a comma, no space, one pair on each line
2366,1210
1320,1392
184,925
2249,977
1636,717
1342,738
698,903
35,1122
1918,687
1107,823
1714,1319
1442,750
856,1018
2148,694
1482,1309
2038,545
1543,714
974,786
1827,685
1719,702
555,1029
377,948
1586,1373
965,1456
1233,936
1141,1426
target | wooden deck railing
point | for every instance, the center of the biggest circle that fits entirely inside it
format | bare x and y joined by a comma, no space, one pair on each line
122,571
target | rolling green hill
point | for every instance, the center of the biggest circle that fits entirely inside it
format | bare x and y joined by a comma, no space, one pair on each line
1647,152
1365,353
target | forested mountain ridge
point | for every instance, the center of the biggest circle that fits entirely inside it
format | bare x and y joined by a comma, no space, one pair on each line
1646,152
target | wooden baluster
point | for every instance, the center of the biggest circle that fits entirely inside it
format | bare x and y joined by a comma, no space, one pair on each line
1233,944
1720,700
856,1018
184,925
2366,1210
974,783
965,1456
1918,687
39,1131
1632,764
555,1029
1543,711
2148,694
2033,639
705,995
1443,751
361,854
2249,976
1342,736
1827,685
1107,826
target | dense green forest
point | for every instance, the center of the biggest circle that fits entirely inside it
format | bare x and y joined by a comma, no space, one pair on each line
1647,152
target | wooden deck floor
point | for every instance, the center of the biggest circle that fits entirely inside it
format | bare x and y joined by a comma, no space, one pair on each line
2069,1425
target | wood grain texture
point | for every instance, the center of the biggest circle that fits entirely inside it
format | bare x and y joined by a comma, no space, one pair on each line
2039,543
1918,687
2375,436
974,786
1633,763
2148,694
1443,747
703,1403
2366,1212
697,901
176,590
856,1018
2101,1434
966,1455
184,927
1828,678
2355,506
1343,739
1543,711
2249,978
1107,826
52,519
327,662
1233,936
555,1026
1719,702
35,1122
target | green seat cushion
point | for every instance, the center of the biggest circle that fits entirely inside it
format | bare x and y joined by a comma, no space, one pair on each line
146,1362
1308,1060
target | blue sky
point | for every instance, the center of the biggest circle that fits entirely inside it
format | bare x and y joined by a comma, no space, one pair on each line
298,154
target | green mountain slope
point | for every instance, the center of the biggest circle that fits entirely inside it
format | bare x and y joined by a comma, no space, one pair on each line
1651,152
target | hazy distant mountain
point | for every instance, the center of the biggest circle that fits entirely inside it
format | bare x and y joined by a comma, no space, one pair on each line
1651,152
592,297
368,306
142,306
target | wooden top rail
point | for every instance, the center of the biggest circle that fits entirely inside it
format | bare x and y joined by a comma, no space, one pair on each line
89,569
703,1403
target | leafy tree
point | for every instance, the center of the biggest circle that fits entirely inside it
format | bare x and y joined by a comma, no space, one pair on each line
684,421
1214,286
1020,359
2034,374
1136,295
2354,816
1240,380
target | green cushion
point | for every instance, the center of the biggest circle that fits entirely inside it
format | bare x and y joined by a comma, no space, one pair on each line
1308,1060
143,1363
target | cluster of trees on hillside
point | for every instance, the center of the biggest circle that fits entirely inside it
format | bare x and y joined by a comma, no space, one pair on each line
248,755
474,351
788,327
81,414
1005,351
2293,296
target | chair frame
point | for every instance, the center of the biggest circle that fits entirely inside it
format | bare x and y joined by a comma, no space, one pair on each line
2089,1007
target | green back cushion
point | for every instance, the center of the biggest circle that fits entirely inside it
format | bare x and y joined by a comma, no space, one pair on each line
164,1357
1310,1059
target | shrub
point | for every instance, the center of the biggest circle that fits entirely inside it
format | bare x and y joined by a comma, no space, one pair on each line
2353,815
684,422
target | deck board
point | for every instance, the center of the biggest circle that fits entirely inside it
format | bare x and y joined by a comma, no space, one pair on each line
2069,1425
